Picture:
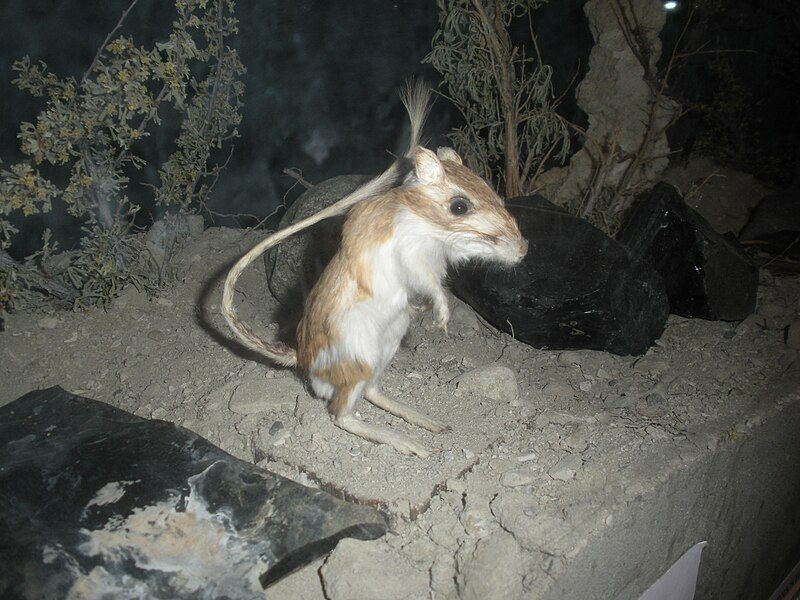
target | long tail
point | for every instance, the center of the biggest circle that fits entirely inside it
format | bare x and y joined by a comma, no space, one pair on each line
415,97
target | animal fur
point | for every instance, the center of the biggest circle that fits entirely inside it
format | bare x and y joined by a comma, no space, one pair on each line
397,241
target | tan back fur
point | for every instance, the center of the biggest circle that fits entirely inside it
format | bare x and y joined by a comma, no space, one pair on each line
416,99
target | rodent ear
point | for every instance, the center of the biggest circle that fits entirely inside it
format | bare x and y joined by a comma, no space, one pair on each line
447,153
427,167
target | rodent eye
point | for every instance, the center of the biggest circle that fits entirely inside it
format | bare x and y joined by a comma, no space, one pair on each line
459,205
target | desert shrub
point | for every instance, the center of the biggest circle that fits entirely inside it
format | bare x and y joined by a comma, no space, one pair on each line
87,135
503,91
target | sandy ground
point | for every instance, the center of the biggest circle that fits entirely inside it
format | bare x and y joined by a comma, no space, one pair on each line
543,444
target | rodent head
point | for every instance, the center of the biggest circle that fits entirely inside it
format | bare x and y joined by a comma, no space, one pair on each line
467,215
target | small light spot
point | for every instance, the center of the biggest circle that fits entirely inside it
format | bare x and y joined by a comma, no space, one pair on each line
670,5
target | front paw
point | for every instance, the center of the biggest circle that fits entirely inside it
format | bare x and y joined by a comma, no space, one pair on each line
441,317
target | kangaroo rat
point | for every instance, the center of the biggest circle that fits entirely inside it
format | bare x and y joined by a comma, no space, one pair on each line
427,210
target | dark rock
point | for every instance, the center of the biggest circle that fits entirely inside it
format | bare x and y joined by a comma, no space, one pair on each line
774,226
96,502
294,266
576,288
706,275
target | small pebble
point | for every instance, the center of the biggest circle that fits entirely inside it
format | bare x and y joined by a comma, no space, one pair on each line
569,358
576,442
562,474
558,389
650,410
554,417
250,396
649,365
48,323
476,522
566,468
516,478
657,433
156,335
603,373
456,485
496,382
603,418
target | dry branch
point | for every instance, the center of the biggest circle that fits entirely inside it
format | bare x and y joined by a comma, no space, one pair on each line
36,280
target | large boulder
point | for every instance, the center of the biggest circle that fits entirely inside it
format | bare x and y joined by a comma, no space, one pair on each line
706,275
294,266
722,195
96,502
576,288
617,96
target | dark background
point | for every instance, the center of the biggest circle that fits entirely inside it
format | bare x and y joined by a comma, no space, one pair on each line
743,87
322,79
320,90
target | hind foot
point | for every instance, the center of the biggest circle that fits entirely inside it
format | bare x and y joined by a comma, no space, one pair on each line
405,412
383,435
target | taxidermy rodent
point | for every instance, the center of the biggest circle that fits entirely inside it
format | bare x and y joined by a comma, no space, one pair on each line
427,210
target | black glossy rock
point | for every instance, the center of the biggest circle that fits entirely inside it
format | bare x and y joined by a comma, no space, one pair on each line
294,266
774,226
576,288
706,275
95,501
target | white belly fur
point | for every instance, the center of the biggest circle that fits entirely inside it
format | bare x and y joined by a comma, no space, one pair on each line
370,330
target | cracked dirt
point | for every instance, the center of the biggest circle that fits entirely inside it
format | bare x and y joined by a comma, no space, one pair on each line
545,446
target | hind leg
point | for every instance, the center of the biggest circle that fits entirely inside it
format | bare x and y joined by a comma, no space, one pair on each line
405,412
342,406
